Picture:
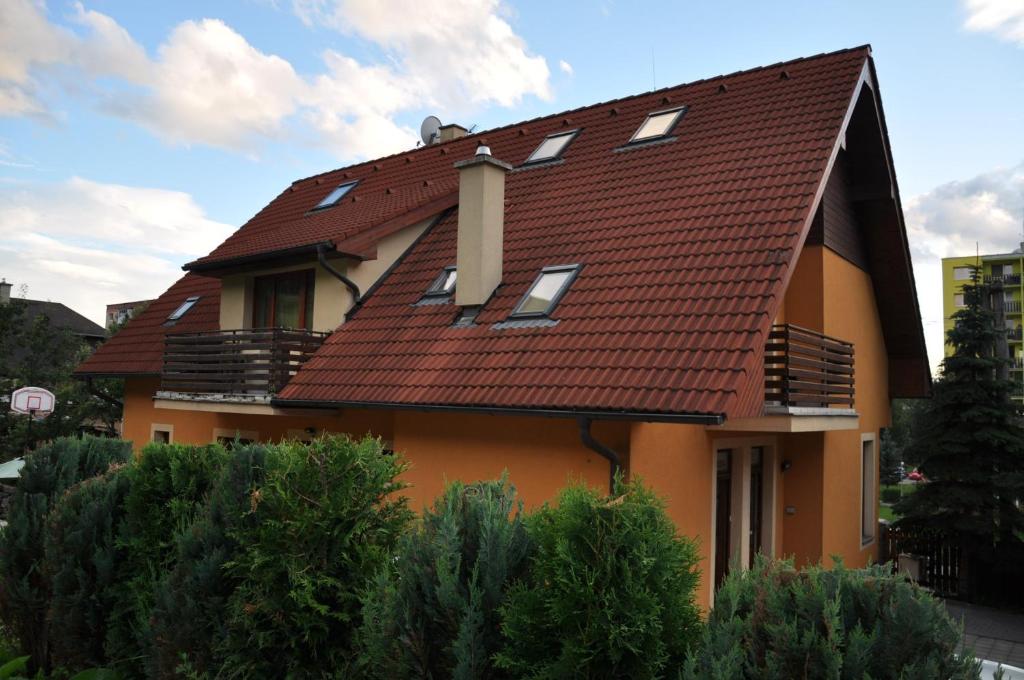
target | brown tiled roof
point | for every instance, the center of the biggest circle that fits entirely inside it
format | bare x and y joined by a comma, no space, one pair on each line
138,347
685,247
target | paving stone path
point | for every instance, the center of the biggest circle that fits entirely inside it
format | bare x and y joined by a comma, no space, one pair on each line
994,634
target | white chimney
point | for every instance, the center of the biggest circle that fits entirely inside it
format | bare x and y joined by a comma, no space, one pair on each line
481,227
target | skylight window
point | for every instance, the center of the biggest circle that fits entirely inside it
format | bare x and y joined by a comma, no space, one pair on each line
547,289
552,147
444,284
336,195
188,304
658,124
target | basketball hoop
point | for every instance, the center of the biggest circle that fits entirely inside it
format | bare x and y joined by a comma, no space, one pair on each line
33,401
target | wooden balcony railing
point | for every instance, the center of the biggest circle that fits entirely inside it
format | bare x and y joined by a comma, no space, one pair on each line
250,362
807,369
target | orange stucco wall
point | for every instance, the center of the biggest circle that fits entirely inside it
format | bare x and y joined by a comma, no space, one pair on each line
851,314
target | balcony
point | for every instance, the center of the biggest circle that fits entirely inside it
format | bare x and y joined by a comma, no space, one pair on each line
240,365
805,369
1015,334
1017,364
1005,279
1011,306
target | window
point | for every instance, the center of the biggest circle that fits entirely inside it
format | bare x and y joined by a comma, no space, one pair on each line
183,308
336,195
444,284
867,489
552,147
958,299
961,273
161,434
658,124
546,291
284,300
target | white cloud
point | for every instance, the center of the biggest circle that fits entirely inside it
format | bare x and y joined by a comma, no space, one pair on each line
565,67
464,54
955,219
1005,18
88,244
208,85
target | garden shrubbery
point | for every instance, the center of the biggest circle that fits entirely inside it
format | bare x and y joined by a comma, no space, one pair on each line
303,560
777,622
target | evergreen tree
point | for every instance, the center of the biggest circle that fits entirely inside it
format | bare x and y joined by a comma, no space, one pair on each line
970,444
434,613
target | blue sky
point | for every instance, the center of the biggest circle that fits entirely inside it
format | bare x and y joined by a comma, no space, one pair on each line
135,136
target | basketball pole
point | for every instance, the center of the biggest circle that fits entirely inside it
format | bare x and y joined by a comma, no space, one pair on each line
31,417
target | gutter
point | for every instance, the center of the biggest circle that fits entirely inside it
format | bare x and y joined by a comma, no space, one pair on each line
642,416
321,256
600,449
259,258
100,394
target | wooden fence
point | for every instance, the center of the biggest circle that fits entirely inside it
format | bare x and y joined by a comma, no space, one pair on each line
939,558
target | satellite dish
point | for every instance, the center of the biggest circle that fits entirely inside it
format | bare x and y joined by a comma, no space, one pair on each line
429,129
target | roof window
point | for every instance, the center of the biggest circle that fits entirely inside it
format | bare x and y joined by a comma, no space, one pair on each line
547,289
552,147
658,124
444,284
336,195
183,308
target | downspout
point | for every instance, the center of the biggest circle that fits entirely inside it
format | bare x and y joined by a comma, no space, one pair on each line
100,394
600,449
321,256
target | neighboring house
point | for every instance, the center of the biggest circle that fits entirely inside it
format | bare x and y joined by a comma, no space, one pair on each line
708,286
1003,273
121,312
60,315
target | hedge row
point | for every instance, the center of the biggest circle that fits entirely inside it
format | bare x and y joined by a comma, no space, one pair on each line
296,560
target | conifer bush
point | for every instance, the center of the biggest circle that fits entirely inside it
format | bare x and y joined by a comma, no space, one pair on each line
776,622
190,603
48,472
609,592
167,487
433,612
81,561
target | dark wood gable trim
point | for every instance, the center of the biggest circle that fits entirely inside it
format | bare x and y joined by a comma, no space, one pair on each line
835,223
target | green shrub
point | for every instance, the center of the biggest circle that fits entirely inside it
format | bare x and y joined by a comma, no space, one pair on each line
609,593
24,589
435,613
326,519
168,485
776,622
81,561
189,608
890,494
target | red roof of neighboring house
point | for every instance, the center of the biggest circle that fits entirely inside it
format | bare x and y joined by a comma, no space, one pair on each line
685,247
138,348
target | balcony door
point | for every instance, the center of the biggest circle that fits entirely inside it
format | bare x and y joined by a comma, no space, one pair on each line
283,300
744,490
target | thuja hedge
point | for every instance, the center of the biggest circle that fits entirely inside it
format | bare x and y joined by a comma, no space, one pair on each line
776,622
295,560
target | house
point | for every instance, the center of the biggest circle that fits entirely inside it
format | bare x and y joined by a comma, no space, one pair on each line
708,286
120,312
60,315
1002,272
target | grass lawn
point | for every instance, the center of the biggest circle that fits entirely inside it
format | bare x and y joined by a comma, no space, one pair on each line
885,510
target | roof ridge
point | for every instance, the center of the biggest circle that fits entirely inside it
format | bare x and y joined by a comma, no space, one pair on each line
399,154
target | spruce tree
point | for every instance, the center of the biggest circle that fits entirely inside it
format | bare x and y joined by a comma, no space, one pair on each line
970,444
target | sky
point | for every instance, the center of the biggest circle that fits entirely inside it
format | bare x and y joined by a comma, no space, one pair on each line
135,136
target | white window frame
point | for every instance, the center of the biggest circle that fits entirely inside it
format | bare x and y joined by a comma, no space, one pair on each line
872,503
957,271
958,300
